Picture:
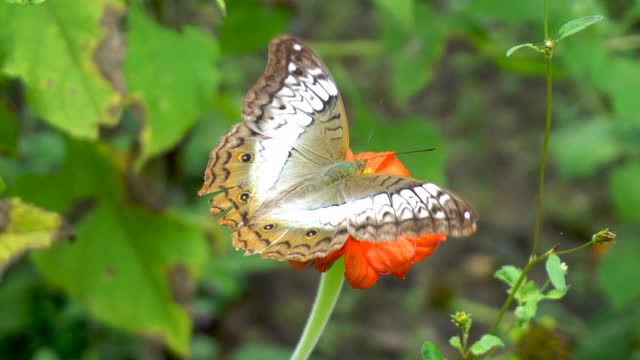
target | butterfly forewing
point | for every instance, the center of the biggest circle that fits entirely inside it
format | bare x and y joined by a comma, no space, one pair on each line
294,124
296,101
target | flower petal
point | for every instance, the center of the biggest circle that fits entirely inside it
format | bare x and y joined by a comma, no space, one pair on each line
323,264
426,244
394,257
381,163
298,265
357,269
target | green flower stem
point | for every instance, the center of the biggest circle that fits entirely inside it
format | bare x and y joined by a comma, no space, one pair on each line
523,275
328,292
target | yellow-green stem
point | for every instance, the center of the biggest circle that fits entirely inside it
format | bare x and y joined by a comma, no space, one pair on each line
326,298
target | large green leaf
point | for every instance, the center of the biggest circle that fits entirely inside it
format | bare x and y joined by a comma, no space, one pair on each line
8,132
250,24
51,48
413,46
86,174
172,75
120,262
119,266
25,227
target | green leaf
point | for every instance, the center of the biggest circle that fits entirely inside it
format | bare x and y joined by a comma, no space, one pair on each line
526,312
86,174
623,187
120,263
119,268
555,272
238,33
573,158
25,2
51,48
577,25
400,11
431,352
413,51
201,139
223,7
455,342
555,294
508,274
486,343
3,185
8,132
172,75
25,227
518,47
529,291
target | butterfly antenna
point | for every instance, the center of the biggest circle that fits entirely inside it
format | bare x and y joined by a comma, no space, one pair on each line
373,128
403,153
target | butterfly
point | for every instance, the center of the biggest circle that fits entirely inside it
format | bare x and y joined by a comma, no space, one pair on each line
281,183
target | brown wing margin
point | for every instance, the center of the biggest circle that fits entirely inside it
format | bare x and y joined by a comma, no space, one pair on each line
271,81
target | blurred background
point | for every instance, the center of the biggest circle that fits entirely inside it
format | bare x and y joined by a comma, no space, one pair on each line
108,111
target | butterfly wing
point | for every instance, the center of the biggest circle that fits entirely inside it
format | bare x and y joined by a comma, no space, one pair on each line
384,207
313,220
293,124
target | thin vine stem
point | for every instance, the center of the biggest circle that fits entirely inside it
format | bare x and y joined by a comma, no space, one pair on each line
532,261
326,298
546,20
543,160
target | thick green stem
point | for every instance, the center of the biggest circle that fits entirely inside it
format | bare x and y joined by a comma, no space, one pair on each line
326,298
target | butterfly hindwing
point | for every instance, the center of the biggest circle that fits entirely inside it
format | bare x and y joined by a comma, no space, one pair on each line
282,240
368,207
386,206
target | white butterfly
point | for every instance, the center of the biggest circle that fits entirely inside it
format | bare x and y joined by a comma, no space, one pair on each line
282,182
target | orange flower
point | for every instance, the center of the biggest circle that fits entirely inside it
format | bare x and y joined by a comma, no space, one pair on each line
364,261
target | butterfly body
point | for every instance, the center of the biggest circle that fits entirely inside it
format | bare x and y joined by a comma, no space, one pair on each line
283,182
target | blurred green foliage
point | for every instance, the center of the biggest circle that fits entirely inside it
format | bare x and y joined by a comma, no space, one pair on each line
108,110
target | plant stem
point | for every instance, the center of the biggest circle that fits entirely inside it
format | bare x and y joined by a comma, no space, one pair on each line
543,159
326,298
546,20
523,275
